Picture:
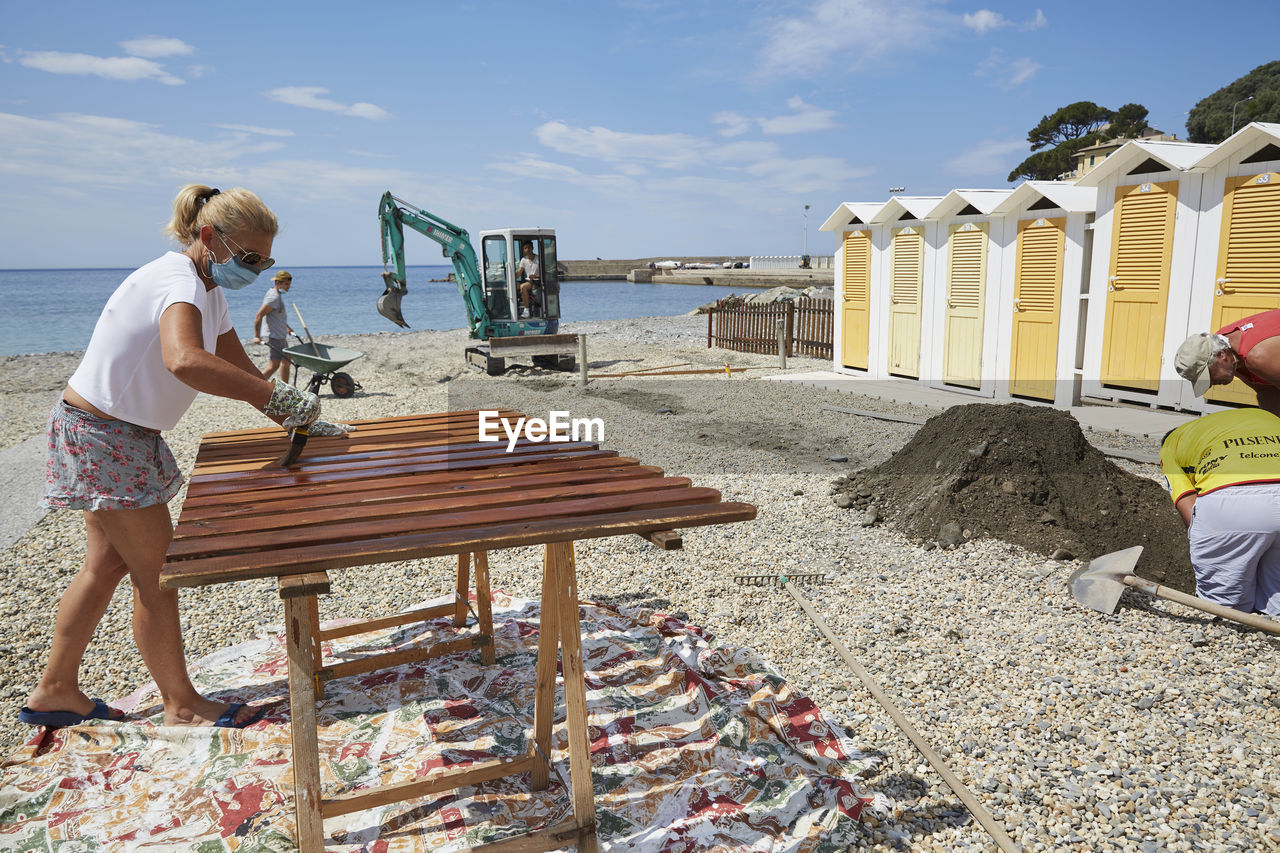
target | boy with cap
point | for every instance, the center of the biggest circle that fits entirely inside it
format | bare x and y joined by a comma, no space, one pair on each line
1248,348
278,328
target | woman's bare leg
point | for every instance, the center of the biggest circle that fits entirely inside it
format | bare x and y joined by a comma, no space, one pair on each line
137,540
79,612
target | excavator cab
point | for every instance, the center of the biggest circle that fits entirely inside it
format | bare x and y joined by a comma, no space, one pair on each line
516,262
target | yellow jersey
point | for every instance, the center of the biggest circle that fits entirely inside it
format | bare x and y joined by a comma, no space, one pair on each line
1222,449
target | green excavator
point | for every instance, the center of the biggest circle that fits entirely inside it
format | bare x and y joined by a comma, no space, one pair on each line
513,306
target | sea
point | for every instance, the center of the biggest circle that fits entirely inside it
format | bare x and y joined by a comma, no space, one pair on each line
55,310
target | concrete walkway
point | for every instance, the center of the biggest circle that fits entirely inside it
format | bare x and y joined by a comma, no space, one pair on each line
1100,416
22,484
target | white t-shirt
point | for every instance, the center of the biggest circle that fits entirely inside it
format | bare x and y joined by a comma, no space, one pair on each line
122,372
529,266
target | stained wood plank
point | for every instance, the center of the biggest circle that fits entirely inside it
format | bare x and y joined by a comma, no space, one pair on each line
408,457
381,509
294,477
292,561
441,780
376,493
603,460
293,537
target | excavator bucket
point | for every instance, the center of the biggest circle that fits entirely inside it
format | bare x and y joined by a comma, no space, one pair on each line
389,301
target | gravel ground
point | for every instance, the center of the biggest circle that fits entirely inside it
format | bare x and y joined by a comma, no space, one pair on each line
1153,729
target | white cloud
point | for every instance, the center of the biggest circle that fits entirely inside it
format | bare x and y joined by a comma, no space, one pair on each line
532,166
731,123
311,98
667,150
1037,22
1020,71
989,157
804,118
87,155
742,152
128,68
261,131
153,47
101,151
729,171
850,32
1007,75
984,20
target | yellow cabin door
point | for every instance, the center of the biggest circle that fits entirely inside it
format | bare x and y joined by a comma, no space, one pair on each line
855,326
1248,277
906,286
966,286
1037,286
1138,285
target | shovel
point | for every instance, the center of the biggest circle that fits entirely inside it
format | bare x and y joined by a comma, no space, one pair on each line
1099,585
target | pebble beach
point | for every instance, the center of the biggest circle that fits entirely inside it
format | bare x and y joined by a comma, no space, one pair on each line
1156,728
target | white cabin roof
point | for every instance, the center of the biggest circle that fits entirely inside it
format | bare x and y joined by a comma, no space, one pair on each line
1253,135
1068,196
1178,156
851,213
918,206
955,201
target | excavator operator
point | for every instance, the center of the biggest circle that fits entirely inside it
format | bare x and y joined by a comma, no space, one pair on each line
528,277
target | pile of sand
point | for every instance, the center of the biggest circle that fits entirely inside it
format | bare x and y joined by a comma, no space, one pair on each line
1025,475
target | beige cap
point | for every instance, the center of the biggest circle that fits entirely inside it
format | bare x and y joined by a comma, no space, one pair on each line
283,275
1192,361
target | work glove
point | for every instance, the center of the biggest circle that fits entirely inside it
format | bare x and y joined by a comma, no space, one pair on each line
300,407
324,428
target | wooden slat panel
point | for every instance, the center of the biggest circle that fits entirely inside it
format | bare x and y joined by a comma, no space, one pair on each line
360,529
374,493
906,283
1248,270
295,477
417,498
966,288
236,567
382,509
1036,289
1138,284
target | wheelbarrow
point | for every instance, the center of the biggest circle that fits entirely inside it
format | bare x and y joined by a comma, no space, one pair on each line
324,362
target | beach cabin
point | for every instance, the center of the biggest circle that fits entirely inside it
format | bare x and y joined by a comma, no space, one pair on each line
967,270
853,276
1236,269
907,242
1046,237
1144,249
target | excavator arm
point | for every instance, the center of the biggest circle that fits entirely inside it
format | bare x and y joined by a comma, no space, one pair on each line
393,215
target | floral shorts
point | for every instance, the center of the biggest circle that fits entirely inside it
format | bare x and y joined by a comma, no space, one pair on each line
95,463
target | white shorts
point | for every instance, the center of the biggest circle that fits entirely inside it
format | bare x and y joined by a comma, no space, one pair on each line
1235,547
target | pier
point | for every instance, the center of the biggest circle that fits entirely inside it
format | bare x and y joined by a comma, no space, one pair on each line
637,270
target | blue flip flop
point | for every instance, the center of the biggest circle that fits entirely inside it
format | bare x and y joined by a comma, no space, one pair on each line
228,718
61,719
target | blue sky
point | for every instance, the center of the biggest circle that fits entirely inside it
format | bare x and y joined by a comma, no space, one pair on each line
634,128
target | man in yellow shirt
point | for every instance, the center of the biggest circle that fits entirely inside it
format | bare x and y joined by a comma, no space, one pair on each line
1223,472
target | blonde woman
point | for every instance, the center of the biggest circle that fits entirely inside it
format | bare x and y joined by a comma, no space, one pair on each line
164,335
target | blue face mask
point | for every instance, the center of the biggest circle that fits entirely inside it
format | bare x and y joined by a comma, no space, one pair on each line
232,273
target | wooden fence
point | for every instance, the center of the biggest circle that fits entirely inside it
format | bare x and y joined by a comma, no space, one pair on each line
808,323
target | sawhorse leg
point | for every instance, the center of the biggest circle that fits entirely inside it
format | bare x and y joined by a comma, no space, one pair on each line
560,630
299,595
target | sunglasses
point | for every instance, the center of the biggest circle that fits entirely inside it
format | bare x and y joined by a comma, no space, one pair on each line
253,259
